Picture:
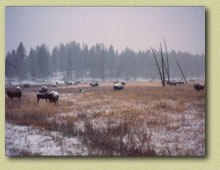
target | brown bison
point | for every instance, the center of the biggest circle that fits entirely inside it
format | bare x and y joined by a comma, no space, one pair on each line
42,96
14,93
199,87
123,83
52,96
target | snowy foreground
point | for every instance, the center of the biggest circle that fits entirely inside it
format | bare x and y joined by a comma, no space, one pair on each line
24,140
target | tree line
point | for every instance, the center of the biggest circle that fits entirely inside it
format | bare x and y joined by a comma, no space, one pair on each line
78,61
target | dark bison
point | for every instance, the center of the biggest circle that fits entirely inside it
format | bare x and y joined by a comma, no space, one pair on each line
43,89
94,84
118,87
68,83
42,96
123,83
14,93
42,93
26,85
199,87
171,83
52,96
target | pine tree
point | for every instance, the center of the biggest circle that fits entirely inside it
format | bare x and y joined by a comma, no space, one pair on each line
43,61
32,64
20,62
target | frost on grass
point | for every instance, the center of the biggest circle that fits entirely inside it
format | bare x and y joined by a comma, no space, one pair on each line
136,121
29,141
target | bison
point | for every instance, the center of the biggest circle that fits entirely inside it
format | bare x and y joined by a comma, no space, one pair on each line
199,87
94,84
123,83
68,83
14,93
53,96
171,83
42,96
43,89
118,87
26,85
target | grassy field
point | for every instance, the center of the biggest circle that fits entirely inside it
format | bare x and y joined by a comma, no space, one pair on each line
143,119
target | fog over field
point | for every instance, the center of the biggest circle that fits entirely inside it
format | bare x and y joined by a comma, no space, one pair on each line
102,43
105,81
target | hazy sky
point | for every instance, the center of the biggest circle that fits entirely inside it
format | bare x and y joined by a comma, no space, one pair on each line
135,27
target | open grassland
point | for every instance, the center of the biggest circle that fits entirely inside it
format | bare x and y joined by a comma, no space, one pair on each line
142,119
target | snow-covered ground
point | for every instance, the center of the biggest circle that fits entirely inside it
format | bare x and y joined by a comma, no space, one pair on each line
26,140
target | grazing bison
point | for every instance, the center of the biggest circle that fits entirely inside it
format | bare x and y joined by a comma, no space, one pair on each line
43,89
94,84
199,87
172,83
42,96
53,96
26,85
123,83
14,93
68,83
118,87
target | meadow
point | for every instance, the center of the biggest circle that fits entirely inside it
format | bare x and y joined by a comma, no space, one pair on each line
144,119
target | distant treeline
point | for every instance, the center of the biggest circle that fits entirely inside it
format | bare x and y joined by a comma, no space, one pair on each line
98,62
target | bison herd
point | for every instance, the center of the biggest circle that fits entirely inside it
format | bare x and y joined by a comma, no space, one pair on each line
43,93
53,96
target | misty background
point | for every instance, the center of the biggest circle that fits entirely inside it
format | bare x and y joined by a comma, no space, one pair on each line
105,43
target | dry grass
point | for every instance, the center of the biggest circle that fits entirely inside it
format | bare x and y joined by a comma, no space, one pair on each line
115,123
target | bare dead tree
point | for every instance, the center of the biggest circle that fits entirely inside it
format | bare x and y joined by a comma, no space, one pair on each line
158,67
181,71
163,66
167,66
